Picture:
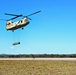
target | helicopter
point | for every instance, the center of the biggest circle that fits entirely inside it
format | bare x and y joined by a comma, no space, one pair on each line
18,24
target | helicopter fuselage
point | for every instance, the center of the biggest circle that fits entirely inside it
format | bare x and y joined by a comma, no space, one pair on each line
16,25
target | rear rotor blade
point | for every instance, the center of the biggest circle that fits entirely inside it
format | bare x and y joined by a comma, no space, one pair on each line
34,13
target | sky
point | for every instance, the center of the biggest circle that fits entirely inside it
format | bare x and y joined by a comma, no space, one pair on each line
52,31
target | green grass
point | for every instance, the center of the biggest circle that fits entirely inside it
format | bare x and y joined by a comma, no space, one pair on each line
37,67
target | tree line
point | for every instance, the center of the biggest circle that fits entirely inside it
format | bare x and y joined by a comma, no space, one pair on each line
38,56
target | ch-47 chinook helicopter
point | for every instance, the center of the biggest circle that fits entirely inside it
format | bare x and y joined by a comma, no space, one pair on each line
19,24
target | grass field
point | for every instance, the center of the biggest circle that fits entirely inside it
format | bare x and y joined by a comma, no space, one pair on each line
37,67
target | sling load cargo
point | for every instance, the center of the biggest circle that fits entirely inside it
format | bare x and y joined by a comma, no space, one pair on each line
16,43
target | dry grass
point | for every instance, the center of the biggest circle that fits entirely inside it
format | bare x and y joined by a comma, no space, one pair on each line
37,67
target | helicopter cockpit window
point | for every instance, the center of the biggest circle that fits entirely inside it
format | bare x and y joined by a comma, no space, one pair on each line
18,21
8,24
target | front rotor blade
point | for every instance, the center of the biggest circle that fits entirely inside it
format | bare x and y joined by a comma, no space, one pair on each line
11,14
15,17
34,13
